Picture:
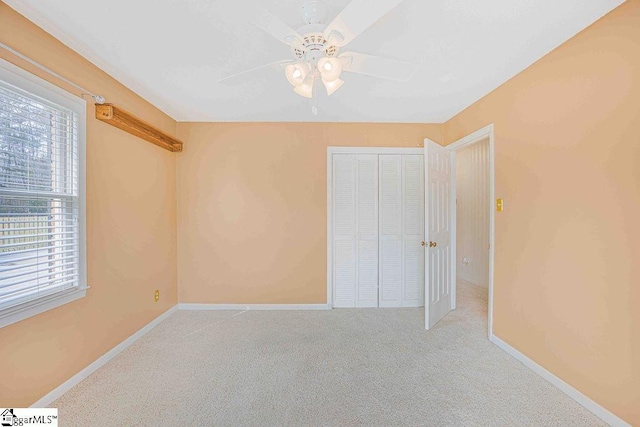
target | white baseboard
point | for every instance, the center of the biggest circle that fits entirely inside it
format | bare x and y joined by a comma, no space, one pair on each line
592,406
50,397
241,307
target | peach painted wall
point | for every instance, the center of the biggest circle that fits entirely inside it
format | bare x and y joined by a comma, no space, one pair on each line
252,206
567,151
131,232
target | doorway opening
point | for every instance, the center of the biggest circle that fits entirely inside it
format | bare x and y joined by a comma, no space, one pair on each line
474,192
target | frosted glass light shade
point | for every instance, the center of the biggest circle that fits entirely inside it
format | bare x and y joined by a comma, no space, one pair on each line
306,88
296,73
332,86
330,68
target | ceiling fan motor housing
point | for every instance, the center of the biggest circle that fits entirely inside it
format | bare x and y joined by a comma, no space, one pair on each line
313,46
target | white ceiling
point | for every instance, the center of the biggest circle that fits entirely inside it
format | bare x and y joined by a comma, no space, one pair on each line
173,52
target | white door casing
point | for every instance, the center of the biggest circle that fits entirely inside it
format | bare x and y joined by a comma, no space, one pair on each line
438,226
479,135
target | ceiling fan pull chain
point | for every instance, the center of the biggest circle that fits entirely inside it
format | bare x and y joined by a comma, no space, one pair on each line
314,102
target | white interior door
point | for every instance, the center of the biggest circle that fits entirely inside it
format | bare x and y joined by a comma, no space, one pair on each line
412,230
401,202
438,223
344,230
355,230
390,230
367,230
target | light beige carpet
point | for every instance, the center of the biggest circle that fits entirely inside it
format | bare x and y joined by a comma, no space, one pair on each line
344,367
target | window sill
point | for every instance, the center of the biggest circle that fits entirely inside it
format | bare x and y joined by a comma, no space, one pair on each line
28,309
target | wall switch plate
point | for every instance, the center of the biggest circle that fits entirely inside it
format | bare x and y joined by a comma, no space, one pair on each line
499,205
156,295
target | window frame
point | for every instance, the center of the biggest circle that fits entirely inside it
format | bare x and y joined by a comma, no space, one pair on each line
39,87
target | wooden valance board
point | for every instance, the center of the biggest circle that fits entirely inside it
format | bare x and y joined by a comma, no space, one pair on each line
119,118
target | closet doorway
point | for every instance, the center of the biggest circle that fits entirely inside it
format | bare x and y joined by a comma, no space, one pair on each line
375,227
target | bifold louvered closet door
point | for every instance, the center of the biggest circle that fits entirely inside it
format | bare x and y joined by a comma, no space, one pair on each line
378,224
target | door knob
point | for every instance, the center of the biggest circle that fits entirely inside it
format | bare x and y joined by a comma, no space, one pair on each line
423,243
432,244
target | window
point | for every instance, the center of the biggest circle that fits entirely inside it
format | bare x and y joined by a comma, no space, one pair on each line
42,233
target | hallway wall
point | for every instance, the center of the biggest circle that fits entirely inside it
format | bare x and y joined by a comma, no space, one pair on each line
473,204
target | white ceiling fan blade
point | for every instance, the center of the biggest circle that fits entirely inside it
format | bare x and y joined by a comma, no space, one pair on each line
274,26
246,73
357,16
377,66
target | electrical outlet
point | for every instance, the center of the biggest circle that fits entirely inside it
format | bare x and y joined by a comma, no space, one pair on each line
156,295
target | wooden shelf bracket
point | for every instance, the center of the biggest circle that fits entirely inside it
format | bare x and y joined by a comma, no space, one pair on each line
119,118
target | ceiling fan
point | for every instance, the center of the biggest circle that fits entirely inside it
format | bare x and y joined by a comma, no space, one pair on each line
316,47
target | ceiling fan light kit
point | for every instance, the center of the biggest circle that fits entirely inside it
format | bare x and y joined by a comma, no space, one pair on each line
316,46
315,59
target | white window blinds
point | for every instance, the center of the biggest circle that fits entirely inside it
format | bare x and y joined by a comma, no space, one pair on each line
40,234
